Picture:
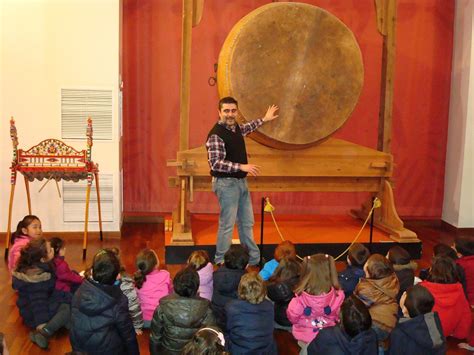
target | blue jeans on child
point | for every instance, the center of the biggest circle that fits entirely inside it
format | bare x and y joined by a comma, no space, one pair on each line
235,206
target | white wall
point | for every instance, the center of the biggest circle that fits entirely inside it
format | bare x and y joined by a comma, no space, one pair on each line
46,45
458,205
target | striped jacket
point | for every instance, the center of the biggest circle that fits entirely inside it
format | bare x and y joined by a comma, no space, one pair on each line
128,288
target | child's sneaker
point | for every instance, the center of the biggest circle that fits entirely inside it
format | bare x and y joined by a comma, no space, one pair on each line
39,339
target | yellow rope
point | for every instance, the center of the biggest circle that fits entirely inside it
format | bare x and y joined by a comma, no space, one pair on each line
375,205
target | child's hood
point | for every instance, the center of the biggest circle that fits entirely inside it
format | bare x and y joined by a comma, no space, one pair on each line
447,295
423,330
329,303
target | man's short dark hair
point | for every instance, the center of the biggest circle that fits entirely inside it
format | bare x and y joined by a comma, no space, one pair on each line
419,301
237,257
105,267
355,316
186,282
227,100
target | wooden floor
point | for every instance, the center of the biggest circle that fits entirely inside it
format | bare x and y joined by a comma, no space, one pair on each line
136,237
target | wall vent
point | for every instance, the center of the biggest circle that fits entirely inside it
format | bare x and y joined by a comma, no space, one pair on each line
78,104
74,200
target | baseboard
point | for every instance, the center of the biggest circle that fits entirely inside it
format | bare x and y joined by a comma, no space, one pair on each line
143,219
455,230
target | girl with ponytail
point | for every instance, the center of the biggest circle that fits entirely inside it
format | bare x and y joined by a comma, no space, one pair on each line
152,283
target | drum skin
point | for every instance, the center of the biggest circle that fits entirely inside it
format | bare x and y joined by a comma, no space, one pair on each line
299,57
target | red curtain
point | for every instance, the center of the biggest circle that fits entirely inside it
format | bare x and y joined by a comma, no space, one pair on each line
151,73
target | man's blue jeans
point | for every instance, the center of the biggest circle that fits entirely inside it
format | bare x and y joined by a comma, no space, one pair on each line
236,206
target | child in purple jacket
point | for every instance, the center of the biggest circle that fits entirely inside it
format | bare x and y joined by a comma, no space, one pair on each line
66,279
199,261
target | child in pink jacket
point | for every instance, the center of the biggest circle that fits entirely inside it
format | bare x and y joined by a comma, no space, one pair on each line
66,279
27,229
318,299
199,261
152,283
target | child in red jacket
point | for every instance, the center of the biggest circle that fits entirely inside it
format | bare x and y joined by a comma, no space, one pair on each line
450,301
464,246
66,279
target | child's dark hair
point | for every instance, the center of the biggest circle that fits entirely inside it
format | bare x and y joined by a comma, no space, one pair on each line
441,249
358,254
378,267
464,245
285,249
418,301
105,267
186,282
24,223
355,317
206,341
236,258
147,260
398,256
198,259
287,269
57,244
443,271
116,251
32,254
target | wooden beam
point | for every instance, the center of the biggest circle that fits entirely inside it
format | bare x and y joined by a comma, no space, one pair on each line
185,85
386,23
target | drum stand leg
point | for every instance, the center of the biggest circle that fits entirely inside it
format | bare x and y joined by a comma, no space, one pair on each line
96,176
28,196
10,206
86,221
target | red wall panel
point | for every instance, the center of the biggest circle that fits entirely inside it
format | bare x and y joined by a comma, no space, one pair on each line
151,72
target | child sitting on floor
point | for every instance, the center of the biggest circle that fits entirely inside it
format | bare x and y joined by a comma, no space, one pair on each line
317,301
41,306
27,229
199,260
248,325
280,290
128,288
179,315
419,332
450,302
357,255
404,268
226,281
285,249
354,335
100,322
66,280
152,283
379,290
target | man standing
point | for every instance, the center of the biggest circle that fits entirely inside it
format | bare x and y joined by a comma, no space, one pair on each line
227,158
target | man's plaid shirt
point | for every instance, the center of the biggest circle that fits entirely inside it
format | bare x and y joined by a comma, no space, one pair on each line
216,148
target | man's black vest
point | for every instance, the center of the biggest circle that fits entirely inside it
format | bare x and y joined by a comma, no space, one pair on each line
234,148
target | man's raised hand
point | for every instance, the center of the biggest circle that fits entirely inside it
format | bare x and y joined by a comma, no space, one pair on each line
252,169
270,115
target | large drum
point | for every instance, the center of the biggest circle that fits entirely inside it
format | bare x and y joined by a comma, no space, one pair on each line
299,57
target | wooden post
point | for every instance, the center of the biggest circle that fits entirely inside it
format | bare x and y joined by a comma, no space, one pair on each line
96,177
86,221
28,197
185,85
386,23
9,225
